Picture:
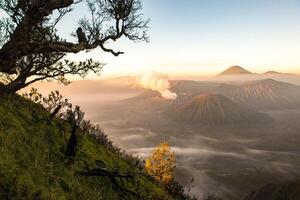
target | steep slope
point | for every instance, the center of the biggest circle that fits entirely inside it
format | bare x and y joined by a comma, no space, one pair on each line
33,163
235,70
263,94
213,109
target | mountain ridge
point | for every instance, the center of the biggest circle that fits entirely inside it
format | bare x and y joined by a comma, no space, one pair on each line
266,94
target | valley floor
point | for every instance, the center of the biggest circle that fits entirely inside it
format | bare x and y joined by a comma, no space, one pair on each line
230,160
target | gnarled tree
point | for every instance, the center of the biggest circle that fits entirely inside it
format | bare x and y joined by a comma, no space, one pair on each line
75,118
31,49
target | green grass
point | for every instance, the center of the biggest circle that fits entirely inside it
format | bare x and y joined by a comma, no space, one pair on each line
33,164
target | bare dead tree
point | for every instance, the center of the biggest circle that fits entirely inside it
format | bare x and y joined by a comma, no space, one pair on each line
75,118
109,20
54,113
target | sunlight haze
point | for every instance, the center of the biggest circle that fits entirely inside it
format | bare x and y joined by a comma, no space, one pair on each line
205,37
150,99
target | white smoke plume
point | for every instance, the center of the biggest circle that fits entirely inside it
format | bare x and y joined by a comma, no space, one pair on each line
158,82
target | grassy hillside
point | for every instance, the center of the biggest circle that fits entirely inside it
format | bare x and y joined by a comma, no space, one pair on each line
33,163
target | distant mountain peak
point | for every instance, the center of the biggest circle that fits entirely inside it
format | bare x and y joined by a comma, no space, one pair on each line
235,70
276,73
272,72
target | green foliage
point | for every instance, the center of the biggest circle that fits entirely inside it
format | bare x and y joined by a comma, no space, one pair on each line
33,164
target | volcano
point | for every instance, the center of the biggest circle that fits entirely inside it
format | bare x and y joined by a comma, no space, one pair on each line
235,70
213,109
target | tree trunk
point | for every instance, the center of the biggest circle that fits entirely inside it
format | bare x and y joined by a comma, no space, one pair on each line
18,45
54,113
72,144
15,85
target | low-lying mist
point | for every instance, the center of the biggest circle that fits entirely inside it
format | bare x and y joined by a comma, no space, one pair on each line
225,159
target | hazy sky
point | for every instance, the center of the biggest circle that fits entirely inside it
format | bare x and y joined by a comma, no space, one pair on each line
206,36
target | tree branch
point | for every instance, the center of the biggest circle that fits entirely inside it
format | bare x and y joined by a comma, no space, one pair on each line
35,13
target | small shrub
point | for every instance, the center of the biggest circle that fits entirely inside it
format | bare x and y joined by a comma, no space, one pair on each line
162,163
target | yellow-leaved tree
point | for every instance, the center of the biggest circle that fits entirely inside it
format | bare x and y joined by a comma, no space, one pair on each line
161,163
